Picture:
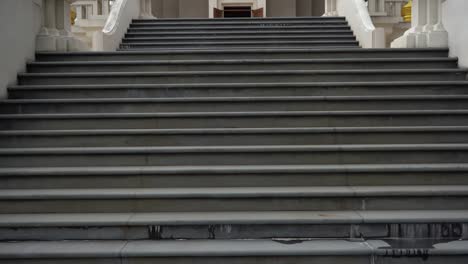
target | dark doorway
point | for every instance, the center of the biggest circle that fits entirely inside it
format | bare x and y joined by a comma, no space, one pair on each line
237,11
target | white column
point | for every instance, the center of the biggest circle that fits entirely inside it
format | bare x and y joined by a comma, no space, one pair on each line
437,36
415,37
145,9
46,39
62,15
330,8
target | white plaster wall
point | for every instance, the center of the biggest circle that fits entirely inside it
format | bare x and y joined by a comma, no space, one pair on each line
455,19
20,21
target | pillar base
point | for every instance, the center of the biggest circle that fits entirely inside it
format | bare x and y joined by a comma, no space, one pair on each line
437,39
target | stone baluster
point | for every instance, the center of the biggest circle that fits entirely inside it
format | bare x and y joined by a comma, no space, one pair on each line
55,32
46,39
330,8
145,9
437,36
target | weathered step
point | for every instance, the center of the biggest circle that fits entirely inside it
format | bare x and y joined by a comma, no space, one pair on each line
234,176
443,225
242,54
250,64
226,136
242,76
233,104
232,252
235,155
234,120
241,44
253,27
240,32
242,23
237,19
233,90
203,39
336,198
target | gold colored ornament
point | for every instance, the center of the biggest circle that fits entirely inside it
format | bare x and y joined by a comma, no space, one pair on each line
406,11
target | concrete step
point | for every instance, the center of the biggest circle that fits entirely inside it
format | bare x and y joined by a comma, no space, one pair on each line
235,90
242,76
232,252
241,32
240,23
234,120
434,174
226,136
443,225
239,19
240,44
149,200
242,54
235,65
235,155
203,39
234,104
246,27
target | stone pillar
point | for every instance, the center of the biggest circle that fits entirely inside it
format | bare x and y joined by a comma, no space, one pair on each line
330,8
46,40
145,9
416,36
437,36
55,35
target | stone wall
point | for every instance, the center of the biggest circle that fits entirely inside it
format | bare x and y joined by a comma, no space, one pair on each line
455,19
20,21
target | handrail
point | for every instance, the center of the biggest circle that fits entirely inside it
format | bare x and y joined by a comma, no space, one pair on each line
112,21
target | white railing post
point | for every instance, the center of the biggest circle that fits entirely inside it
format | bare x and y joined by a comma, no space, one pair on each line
145,9
437,36
46,40
427,29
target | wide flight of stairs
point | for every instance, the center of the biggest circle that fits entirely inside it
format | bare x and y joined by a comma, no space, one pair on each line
236,141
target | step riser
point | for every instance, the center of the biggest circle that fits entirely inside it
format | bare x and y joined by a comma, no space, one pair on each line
232,204
239,55
240,24
348,259
219,45
240,66
154,107
244,33
201,39
209,139
236,78
236,20
192,29
233,122
237,158
180,180
452,231
96,92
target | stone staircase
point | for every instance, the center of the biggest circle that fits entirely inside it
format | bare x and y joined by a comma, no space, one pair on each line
236,141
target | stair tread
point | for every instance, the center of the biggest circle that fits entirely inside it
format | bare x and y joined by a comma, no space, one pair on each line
247,217
253,72
234,192
237,99
256,50
238,61
233,149
194,248
188,131
238,169
234,114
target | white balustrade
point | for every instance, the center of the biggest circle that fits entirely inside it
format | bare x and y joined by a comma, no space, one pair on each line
55,34
426,29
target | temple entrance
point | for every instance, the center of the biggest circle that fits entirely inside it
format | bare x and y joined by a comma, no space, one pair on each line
237,8
237,11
